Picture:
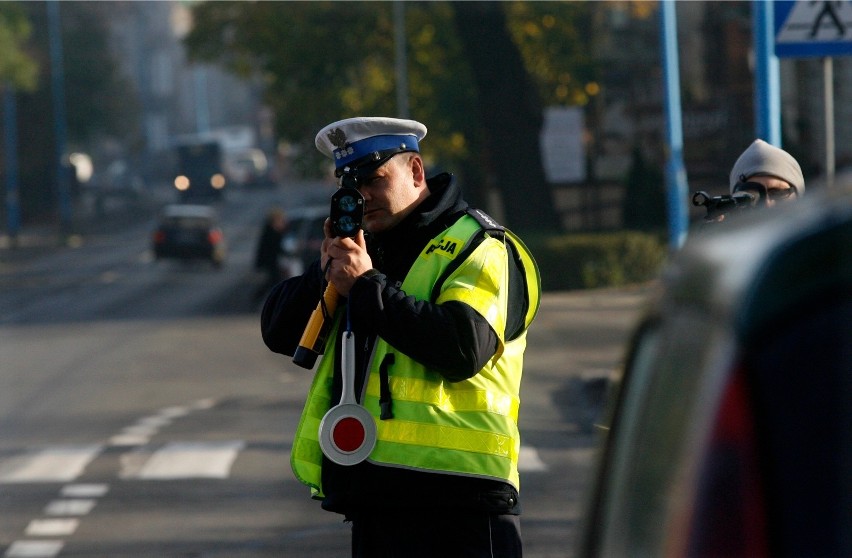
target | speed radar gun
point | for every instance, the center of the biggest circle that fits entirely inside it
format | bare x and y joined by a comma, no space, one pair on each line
347,212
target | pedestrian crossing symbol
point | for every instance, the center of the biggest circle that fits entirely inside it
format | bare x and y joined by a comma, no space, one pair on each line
813,28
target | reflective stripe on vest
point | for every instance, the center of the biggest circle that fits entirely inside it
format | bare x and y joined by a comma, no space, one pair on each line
467,427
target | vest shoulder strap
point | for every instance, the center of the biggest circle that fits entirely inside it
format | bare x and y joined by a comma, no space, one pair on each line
489,228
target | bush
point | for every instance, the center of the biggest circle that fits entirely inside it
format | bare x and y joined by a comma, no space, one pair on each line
594,260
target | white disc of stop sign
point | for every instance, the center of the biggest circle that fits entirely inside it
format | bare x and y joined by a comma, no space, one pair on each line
347,433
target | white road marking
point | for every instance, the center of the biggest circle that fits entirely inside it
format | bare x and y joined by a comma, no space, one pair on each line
155,421
129,440
51,527
174,412
204,404
76,506
84,490
34,549
140,430
529,460
184,460
52,464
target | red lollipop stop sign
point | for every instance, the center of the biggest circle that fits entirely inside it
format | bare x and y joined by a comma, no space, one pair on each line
347,433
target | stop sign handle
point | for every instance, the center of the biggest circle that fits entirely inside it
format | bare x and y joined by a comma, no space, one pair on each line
347,433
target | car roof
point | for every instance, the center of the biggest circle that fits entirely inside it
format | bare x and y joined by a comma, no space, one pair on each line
728,270
188,210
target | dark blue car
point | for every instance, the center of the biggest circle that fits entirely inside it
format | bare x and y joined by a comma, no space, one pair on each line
730,433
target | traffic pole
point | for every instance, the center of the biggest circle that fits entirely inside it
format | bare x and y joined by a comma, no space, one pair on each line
676,188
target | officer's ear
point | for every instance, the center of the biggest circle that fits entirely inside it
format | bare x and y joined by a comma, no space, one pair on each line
418,169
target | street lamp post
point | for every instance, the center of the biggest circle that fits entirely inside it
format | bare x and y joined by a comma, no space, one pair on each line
13,205
60,129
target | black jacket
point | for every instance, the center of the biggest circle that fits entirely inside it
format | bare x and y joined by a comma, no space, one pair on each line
460,343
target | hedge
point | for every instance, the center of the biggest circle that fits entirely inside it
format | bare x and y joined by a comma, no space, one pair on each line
593,260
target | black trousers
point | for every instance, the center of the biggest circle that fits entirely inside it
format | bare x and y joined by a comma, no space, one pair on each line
436,534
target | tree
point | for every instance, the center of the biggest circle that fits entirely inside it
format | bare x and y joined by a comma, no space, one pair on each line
98,102
326,60
17,69
644,207
511,115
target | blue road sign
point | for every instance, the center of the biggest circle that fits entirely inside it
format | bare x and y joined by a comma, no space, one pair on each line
813,28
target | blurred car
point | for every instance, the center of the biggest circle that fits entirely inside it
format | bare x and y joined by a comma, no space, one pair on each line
199,175
249,168
189,232
730,433
303,239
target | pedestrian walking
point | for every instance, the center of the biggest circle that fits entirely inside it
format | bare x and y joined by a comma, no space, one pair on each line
269,251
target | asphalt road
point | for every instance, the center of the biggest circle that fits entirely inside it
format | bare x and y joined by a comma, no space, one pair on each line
141,415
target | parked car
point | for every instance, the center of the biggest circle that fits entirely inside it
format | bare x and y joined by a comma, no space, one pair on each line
189,232
303,239
730,433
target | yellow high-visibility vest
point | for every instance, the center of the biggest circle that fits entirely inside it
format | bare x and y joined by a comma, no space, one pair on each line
462,428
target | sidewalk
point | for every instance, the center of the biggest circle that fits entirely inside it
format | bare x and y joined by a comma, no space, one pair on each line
575,346
40,237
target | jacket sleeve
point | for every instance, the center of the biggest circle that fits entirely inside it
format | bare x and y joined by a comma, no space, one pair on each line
451,337
288,308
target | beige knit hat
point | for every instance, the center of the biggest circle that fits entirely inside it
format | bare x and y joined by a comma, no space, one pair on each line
762,158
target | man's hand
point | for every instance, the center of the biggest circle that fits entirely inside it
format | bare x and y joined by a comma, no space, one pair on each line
348,257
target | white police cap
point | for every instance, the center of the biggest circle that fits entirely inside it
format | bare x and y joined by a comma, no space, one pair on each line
761,158
370,138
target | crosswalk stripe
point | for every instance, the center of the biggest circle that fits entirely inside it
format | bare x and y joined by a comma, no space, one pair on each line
52,464
34,549
176,460
77,506
52,527
90,490
182,460
529,460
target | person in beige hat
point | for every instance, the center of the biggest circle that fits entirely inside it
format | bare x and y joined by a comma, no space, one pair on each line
769,171
762,176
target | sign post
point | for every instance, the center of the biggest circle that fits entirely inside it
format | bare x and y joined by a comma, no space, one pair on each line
675,172
807,28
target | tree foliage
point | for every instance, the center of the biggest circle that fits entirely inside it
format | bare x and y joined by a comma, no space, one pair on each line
554,41
321,61
17,68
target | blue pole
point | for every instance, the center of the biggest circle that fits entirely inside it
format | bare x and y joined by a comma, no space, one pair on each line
58,90
767,97
13,205
676,189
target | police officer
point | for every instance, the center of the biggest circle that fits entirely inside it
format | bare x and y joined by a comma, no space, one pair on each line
439,298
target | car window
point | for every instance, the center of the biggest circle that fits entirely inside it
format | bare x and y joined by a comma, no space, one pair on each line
187,222
802,378
649,437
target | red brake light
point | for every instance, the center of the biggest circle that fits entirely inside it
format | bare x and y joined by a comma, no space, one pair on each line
729,513
159,237
214,236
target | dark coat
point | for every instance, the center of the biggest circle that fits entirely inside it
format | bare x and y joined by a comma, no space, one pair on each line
460,343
